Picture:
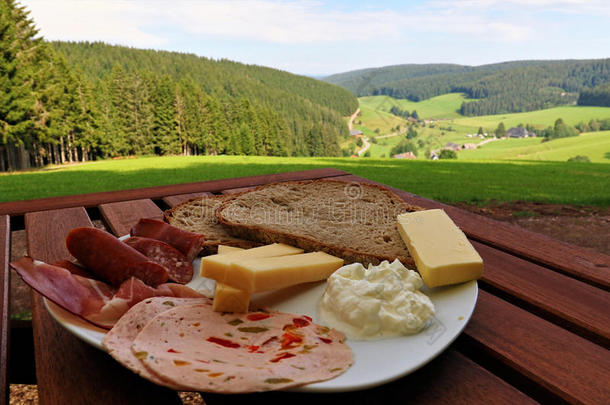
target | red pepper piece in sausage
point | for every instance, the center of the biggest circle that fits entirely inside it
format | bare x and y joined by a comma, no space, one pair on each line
112,260
178,267
189,243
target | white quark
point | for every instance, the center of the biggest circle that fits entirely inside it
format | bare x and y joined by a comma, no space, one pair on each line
378,302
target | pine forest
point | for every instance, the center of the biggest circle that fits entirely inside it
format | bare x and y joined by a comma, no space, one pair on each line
64,102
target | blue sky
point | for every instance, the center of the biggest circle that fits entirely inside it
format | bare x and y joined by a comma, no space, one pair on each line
325,37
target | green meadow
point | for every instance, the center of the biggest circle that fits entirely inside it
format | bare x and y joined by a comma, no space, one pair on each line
571,115
449,126
373,119
448,181
594,145
445,106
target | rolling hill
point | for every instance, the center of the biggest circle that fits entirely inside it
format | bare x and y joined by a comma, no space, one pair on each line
498,88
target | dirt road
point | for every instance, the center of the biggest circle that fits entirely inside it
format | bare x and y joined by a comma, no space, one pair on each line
365,146
350,124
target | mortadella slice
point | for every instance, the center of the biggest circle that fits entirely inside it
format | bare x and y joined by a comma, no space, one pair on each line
189,243
179,268
119,339
203,350
112,260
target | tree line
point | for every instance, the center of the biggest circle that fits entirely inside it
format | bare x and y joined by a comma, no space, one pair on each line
65,102
494,89
596,96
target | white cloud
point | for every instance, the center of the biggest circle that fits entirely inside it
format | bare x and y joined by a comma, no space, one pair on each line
120,22
131,22
281,22
594,7
142,23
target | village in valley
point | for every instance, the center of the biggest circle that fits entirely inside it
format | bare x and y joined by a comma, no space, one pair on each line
476,139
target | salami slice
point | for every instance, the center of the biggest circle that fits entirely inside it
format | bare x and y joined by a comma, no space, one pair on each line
112,260
179,268
117,341
189,243
202,350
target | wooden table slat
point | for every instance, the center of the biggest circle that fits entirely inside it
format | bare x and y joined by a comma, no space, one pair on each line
68,370
236,190
121,216
212,186
174,200
565,364
450,378
5,285
578,262
568,301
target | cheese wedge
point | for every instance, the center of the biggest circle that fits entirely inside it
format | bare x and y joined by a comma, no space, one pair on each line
442,253
230,299
255,275
227,298
222,249
217,266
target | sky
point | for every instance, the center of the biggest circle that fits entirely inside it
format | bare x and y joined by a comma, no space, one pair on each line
319,38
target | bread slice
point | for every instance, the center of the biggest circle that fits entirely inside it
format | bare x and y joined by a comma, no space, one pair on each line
355,221
198,215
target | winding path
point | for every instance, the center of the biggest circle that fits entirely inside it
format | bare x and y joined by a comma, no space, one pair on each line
350,124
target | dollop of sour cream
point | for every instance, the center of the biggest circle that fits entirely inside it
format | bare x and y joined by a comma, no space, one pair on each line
378,302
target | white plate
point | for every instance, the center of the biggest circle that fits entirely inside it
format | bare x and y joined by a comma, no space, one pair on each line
375,362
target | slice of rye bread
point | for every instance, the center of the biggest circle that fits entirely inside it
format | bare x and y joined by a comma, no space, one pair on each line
198,215
355,221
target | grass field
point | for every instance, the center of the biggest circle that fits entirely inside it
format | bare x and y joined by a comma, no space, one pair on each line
445,106
377,119
571,115
594,145
449,181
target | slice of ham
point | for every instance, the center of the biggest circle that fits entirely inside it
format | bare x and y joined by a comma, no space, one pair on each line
202,350
117,341
93,300
179,268
79,295
189,243
75,269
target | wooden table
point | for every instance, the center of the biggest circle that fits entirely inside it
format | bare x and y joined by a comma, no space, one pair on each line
540,331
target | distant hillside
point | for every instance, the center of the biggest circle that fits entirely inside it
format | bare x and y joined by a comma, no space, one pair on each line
296,115
499,88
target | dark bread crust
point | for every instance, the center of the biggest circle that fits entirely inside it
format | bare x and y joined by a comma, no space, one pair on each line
210,246
261,233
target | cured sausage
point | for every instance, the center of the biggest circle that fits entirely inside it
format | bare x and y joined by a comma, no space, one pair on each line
189,243
179,268
112,260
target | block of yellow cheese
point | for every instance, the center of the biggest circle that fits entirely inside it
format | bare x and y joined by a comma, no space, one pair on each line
230,299
222,249
227,298
217,266
441,251
255,275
